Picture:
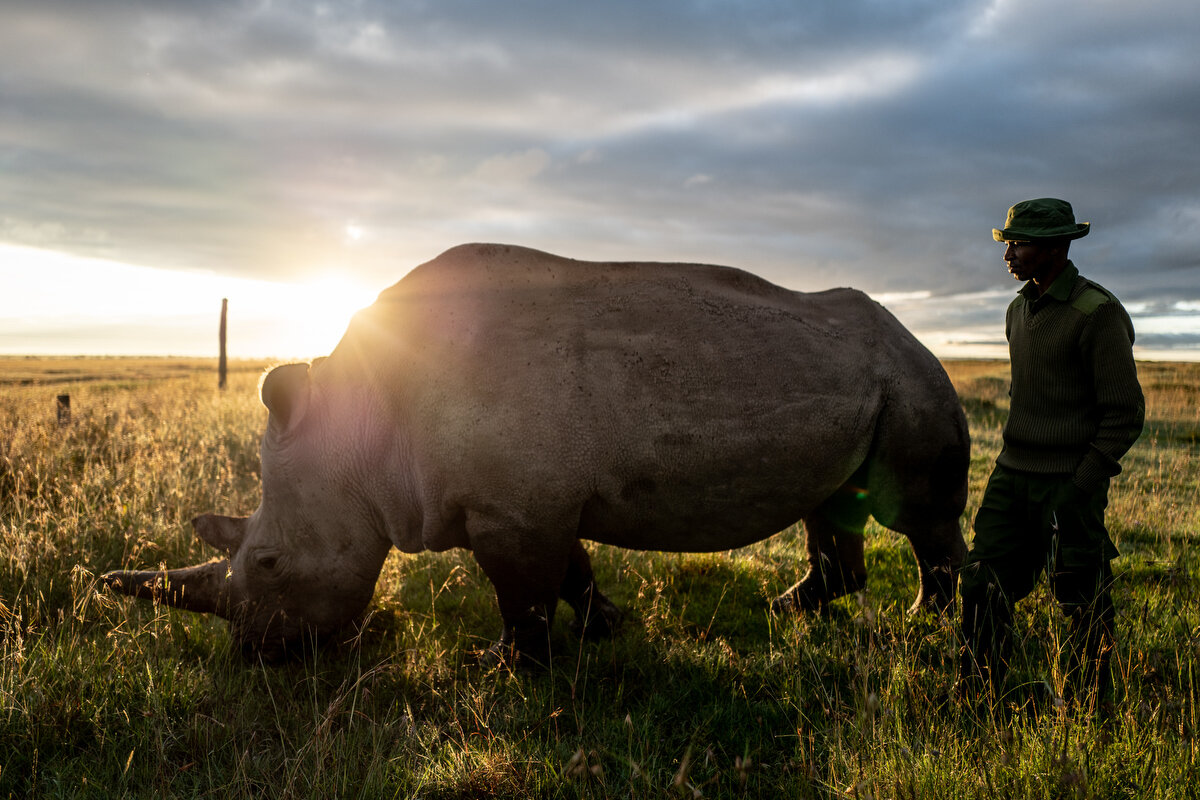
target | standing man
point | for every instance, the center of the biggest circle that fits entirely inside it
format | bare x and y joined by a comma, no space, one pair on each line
1076,407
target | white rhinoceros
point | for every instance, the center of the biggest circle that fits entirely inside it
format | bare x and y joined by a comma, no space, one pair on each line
515,403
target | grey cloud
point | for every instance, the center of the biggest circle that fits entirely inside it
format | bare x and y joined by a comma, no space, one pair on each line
1169,341
244,137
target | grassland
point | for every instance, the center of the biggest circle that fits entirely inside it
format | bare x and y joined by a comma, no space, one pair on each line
701,693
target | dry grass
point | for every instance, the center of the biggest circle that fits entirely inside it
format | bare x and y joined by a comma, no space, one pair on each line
66,370
702,692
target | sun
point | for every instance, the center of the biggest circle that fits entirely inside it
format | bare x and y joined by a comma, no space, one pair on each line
319,310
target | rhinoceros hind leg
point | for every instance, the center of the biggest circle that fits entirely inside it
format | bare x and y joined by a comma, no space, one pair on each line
836,566
595,615
940,552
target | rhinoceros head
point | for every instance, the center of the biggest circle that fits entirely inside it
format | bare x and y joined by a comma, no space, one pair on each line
305,563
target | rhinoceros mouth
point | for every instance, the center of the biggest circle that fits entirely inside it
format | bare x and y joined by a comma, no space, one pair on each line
273,636
276,648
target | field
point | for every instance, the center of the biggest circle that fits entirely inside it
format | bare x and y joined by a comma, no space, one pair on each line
702,693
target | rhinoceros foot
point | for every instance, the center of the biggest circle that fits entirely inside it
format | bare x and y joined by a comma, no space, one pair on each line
815,591
598,618
524,644
937,590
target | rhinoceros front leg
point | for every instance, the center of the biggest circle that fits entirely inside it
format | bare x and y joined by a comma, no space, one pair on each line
527,572
595,615
835,566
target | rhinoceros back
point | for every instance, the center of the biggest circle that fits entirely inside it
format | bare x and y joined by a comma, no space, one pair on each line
696,405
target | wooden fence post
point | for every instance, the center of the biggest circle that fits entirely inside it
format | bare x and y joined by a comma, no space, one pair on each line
63,406
221,363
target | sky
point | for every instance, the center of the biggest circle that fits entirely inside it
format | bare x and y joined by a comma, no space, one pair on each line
299,157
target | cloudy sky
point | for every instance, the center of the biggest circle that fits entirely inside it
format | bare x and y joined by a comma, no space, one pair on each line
297,157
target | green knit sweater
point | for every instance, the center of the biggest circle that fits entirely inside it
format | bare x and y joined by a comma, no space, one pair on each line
1077,405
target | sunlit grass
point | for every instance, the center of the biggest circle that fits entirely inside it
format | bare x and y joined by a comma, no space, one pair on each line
701,693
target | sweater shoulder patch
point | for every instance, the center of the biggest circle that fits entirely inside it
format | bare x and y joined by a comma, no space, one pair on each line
1090,299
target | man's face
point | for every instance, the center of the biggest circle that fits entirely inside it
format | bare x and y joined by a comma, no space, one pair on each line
1029,260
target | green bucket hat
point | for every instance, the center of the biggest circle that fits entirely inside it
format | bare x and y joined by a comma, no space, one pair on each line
1044,218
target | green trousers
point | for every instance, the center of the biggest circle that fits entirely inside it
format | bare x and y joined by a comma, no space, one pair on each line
1029,524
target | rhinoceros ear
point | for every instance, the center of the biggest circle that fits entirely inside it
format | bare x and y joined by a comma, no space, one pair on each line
285,394
223,533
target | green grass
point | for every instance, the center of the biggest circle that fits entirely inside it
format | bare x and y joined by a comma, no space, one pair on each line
701,693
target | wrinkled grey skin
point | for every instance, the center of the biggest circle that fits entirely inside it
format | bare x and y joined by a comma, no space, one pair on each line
514,403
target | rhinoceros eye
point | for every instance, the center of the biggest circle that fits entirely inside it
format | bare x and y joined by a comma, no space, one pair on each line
267,561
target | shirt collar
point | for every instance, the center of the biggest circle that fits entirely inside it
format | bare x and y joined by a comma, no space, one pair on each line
1060,290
